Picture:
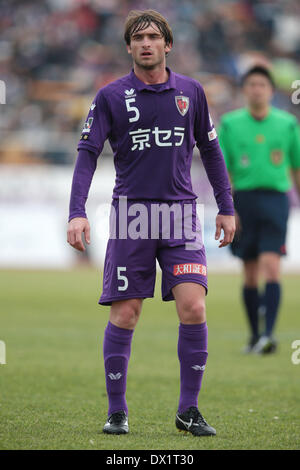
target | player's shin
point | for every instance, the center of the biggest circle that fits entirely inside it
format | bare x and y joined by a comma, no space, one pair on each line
251,301
272,302
192,354
116,353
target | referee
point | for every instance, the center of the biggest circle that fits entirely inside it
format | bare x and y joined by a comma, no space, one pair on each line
261,146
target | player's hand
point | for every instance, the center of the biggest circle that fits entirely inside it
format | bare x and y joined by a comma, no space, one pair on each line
76,227
227,223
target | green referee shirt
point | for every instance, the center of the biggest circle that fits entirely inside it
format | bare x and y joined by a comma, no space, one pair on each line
260,153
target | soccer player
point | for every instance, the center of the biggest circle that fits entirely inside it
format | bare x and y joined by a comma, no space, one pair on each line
152,117
261,144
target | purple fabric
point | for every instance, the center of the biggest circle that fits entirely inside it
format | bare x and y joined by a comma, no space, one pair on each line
85,167
215,168
192,354
212,157
116,353
152,131
135,258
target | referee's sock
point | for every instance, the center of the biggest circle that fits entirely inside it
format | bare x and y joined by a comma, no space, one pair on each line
192,355
251,300
116,353
272,302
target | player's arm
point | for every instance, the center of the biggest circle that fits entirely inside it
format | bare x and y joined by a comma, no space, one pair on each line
295,155
213,161
296,176
225,141
94,134
85,167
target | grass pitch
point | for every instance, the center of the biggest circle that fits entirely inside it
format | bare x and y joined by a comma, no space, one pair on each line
52,389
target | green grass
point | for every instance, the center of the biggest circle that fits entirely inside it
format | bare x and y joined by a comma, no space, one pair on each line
52,389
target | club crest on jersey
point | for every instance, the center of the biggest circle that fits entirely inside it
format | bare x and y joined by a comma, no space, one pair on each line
182,104
276,157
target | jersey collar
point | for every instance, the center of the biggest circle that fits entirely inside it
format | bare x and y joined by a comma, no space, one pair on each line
168,85
259,120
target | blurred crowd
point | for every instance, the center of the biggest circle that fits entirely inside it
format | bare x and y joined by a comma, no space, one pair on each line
56,54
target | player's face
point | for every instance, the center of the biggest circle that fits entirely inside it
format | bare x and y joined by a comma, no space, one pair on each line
148,47
258,90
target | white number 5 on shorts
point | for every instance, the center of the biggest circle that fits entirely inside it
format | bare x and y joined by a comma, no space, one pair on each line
123,278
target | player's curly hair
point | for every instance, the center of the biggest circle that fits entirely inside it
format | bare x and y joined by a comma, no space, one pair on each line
138,20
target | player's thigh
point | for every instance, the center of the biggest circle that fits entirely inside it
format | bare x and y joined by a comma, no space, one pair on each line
129,270
246,241
180,264
273,223
190,302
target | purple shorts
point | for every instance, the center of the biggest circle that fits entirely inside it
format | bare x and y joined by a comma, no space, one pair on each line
147,230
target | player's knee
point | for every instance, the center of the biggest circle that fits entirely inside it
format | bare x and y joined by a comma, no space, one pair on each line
193,311
125,314
251,279
270,265
272,276
251,282
271,272
251,274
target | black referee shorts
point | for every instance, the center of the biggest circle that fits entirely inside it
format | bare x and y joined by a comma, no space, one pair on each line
263,215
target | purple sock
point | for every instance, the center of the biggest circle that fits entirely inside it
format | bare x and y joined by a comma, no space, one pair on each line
116,353
192,354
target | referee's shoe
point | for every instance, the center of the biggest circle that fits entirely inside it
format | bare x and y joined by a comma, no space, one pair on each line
265,345
192,421
117,423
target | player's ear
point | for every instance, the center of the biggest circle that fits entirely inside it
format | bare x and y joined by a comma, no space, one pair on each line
128,48
168,47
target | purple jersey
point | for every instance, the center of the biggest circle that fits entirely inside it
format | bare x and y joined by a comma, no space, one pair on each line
152,130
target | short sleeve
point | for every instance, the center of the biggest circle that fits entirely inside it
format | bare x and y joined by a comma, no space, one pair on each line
294,150
223,134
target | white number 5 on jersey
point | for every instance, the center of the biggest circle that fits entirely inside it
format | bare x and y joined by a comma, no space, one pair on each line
132,109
